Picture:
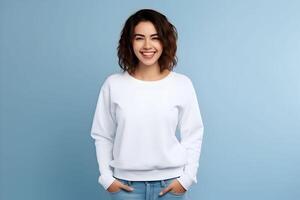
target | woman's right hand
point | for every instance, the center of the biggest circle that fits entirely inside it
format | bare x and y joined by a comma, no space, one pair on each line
117,185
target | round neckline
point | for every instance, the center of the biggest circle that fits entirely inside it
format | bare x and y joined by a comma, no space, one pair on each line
150,82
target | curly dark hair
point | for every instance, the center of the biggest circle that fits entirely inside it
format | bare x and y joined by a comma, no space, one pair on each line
166,31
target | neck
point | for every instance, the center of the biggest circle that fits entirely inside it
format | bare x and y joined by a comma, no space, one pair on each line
150,73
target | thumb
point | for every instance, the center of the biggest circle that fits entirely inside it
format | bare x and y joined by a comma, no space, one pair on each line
126,187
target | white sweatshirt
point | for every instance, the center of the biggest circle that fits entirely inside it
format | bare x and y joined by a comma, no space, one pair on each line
134,129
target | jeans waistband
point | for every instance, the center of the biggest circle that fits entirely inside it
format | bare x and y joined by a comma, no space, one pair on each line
162,182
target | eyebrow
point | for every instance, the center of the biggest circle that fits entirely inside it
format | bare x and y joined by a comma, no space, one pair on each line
156,34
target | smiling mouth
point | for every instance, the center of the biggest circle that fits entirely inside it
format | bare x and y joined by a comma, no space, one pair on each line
148,54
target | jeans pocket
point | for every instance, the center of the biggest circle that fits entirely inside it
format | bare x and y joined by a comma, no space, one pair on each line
120,189
169,181
116,192
176,194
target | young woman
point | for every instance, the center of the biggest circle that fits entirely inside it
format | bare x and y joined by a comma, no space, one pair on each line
138,112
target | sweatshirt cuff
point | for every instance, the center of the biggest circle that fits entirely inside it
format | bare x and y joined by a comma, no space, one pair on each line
185,181
106,180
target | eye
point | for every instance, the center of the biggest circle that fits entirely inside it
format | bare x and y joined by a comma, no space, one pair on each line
138,38
156,38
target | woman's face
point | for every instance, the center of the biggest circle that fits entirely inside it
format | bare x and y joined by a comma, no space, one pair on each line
146,44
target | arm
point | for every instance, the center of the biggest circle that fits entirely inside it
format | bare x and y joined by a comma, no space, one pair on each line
103,132
191,132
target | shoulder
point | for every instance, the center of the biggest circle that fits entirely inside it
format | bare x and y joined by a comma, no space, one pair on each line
183,79
111,79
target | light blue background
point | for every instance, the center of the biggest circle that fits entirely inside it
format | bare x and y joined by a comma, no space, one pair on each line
242,56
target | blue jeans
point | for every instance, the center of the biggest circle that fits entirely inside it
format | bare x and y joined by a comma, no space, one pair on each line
146,190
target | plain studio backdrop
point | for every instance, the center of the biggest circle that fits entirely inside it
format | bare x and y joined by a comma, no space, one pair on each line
243,58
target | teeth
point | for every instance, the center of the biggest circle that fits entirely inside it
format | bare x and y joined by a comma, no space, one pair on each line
148,53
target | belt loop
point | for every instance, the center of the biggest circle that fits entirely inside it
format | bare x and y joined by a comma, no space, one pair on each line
163,183
129,182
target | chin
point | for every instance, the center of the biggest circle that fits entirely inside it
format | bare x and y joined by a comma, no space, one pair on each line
147,63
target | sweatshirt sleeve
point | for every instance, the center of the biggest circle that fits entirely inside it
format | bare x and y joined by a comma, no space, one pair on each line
103,133
191,132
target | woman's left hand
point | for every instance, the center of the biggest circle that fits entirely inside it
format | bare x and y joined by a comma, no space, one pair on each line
175,187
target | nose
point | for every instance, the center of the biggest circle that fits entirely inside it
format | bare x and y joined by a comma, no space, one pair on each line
147,44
